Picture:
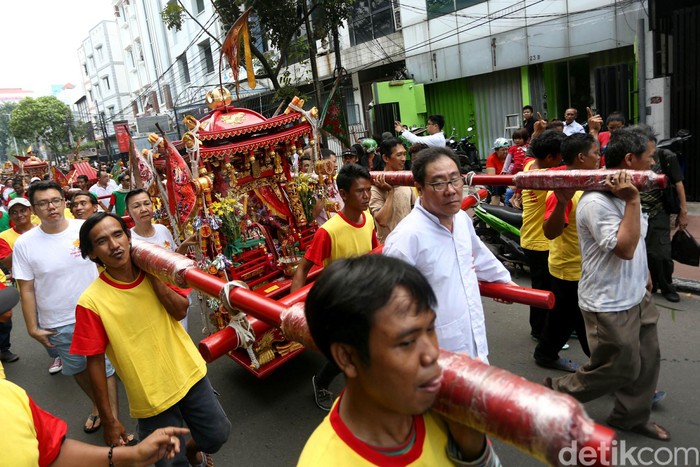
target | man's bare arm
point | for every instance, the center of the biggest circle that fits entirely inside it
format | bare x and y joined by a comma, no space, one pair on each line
301,274
114,431
26,295
175,304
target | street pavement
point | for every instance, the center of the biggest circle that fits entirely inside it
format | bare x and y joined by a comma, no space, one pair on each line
272,418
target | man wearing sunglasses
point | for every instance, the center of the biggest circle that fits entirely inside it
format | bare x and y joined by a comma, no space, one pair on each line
438,238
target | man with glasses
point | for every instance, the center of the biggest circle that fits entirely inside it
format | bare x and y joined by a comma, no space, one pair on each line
438,238
52,274
435,138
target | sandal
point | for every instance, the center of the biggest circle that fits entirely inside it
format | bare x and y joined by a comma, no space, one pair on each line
649,429
563,364
207,460
95,424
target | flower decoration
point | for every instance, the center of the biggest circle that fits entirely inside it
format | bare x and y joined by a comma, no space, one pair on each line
226,214
307,188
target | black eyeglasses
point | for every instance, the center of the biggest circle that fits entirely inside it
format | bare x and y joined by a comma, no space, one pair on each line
457,183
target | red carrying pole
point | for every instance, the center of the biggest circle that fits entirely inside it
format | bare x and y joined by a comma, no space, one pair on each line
472,200
532,418
588,180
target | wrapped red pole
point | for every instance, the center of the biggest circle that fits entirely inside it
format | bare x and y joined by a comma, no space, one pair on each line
473,199
589,180
532,418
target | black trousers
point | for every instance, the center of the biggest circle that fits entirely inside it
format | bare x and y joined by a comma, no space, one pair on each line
564,318
5,329
541,279
658,242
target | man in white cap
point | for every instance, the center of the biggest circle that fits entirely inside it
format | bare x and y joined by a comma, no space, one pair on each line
20,213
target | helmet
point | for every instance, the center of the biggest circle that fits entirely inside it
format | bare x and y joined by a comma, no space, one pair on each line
369,144
501,143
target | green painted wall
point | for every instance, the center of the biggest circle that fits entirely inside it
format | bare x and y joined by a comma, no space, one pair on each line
455,101
525,83
550,85
410,96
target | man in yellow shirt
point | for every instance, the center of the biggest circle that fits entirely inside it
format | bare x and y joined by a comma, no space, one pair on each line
546,148
381,333
133,318
580,152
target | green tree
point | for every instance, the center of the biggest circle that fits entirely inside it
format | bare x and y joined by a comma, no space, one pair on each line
282,23
7,144
45,119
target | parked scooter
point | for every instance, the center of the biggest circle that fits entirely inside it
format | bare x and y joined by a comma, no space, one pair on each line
499,228
466,151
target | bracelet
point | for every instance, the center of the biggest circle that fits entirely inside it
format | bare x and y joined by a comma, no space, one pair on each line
109,454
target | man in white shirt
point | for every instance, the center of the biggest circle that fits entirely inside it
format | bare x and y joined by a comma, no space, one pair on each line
51,274
614,293
435,138
571,126
103,191
438,238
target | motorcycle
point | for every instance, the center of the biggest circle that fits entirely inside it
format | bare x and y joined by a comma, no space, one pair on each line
499,228
466,151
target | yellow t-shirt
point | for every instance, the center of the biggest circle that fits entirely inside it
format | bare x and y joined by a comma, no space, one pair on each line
339,238
564,253
30,435
332,443
151,352
532,233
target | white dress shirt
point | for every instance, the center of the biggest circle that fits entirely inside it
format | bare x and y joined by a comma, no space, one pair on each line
573,128
452,262
436,141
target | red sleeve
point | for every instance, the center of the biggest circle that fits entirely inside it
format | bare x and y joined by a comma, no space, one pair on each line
5,249
50,433
112,200
490,161
89,336
178,290
320,248
551,204
375,240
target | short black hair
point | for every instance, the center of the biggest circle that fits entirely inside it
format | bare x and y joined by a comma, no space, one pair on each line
439,120
93,198
305,157
43,186
555,123
89,224
327,154
528,107
631,139
416,147
575,144
83,177
350,172
616,117
521,133
336,313
388,145
133,193
549,142
121,176
427,156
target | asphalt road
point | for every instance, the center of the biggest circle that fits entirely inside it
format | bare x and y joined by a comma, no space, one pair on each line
272,418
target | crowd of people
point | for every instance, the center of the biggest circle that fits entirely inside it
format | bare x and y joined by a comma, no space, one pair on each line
85,300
